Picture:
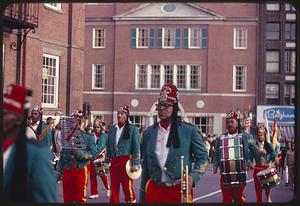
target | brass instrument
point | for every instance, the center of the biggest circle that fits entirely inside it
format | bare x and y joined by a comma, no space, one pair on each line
184,183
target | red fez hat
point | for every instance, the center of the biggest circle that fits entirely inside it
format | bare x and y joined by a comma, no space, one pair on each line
168,94
38,108
14,98
232,115
124,108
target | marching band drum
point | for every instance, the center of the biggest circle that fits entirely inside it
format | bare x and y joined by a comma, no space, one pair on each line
233,168
268,178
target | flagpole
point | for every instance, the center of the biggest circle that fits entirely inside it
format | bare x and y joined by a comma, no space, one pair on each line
267,127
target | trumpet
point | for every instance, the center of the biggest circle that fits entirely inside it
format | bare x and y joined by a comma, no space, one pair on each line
184,183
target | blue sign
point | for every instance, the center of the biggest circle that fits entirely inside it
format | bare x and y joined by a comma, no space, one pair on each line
282,114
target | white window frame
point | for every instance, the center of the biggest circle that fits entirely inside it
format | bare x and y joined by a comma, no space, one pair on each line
56,84
94,66
193,37
94,38
173,38
174,69
138,37
53,6
209,126
273,7
151,75
244,83
273,61
270,87
237,40
139,124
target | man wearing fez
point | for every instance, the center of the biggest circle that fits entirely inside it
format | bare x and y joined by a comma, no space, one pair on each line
232,156
42,129
28,172
163,145
123,145
73,163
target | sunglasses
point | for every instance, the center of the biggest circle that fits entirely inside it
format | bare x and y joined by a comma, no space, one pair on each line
162,106
96,127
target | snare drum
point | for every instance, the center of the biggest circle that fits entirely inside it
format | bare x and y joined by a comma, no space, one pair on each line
268,178
100,167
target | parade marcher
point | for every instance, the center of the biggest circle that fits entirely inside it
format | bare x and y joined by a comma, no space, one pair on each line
163,145
123,144
290,163
73,163
28,173
101,142
233,163
42,129
263,160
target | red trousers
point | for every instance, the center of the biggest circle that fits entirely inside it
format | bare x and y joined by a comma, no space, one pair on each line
93,178
162,194
258,188
118,176
74,184
232,193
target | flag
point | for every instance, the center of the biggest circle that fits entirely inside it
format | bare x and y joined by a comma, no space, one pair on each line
275,140
274,134
267,127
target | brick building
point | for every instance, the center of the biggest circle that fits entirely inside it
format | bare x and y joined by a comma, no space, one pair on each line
276,78
208,51
50,60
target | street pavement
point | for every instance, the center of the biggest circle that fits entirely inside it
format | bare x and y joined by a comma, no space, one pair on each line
206,191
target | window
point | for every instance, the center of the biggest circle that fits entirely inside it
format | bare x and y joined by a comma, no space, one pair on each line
143,38
181,76
50,80
290,61
240,39
289,7
290,31
205,124
239,78
195,77
272,31
142,76
289,94
272,93
272,61
155,76
197,38
169,38
137,120
168,74
54,6
273,7
98,38
98,76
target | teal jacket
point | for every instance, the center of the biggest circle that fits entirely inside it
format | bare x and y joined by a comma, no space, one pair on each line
130,146
249,149
47,140
271,155
191,147
41,178
80,157
101,142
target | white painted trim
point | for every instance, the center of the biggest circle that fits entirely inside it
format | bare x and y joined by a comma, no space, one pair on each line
234,79
104,38
234,38
93,76
181,94
57,69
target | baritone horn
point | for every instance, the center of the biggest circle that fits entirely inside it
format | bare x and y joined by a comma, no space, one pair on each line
184,183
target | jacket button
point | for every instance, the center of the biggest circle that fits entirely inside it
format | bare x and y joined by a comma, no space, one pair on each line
165,169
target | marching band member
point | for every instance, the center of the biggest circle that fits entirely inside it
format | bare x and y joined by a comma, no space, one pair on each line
233,186
28,173
163,144
263,160
101,142
73,166
42,129
123,144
